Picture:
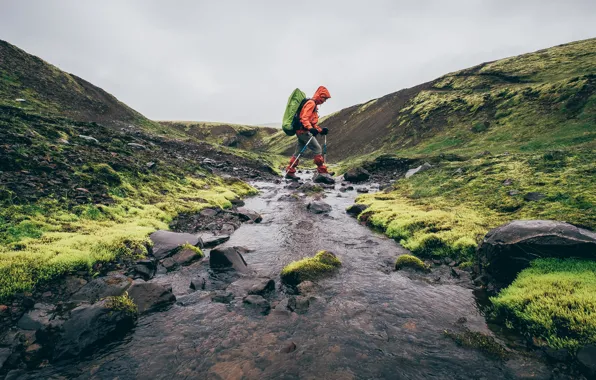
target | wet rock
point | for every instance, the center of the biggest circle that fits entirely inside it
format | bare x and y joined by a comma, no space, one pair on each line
102,287
90,325
323,178
508,249
186,257
306,287
73,284
534,197
318,207
362,190
288,348
222,296
150,296
198,283
37,319
288,198
237,202
5,353
357,175
227,229
137,146
257,302
214,241
247,214
145,268
89,138
256,286
294,185
310,187
422,168
166,243
356,209
169,264
586,357
208,212
299,304
227,259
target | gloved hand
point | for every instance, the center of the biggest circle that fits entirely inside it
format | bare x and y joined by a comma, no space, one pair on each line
313,131
325,131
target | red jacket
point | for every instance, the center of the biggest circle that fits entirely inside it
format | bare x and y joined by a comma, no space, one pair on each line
309,116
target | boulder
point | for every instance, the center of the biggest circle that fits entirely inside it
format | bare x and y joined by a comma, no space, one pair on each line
318,207
145,268
363,190
257,302
186,257
356,209
323,178
165,243
222,296
357,175
150,296
39,318
419,169
227,229
102,287
214,241
246,286
534,197
198,283
90,325
508,249
247,214
228,258
586,356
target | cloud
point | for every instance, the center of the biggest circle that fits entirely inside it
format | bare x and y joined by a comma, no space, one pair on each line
238,61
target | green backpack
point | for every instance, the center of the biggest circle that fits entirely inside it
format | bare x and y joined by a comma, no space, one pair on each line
291,122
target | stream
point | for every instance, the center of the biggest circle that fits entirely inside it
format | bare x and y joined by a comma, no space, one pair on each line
364,322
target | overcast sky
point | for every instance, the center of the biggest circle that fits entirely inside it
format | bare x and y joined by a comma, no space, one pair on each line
238,61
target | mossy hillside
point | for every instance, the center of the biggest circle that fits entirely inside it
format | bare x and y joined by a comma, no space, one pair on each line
310,268
67,203
409,261
446,210
553,301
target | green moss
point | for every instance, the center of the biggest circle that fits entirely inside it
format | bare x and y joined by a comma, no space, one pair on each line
479,341
311,268
122,303
409,261
554,301
103,173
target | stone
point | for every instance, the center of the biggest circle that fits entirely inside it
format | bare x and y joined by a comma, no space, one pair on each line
237,202
114,285
586,357
5,353
362,190
513,193
356,209
165,243
73,284
323,178
227,229
169,264
247,286
37,319
222,296
227,258
306,287
357,175
186,257
145,268
288,348
288,198
534,197
318,207
247,214
89,325
198,283
508,249
257,302
213,241
149,296
150,165
422,168
208,212
89,138
508,182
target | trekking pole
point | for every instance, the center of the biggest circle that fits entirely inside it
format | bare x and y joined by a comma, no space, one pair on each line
325,150
299,154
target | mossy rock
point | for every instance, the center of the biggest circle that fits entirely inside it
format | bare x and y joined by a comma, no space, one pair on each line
310,268
409,261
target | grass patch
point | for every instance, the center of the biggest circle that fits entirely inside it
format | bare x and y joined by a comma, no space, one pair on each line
122,303
310,268
553,300
479,341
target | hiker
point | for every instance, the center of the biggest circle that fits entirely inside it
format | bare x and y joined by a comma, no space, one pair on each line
309,120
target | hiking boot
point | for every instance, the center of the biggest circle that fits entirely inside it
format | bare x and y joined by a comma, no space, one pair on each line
292,176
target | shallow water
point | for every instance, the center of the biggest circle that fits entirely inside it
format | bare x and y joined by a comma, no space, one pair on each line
365,322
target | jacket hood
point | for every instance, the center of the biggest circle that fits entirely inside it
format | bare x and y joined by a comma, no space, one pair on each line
321,94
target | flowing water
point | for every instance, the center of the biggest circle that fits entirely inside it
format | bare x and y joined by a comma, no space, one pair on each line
364,322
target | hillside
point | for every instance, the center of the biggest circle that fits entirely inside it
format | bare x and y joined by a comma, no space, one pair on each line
536,101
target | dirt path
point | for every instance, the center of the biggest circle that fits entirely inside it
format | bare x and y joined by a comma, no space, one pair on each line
364,322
